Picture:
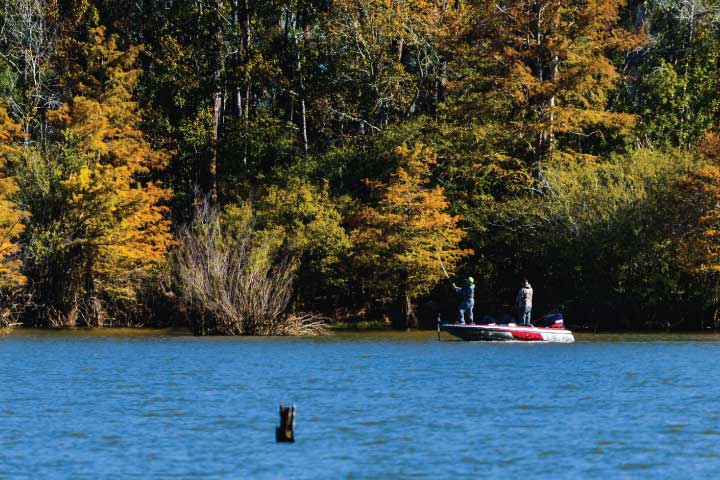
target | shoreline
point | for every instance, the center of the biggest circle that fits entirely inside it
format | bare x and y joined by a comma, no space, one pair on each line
368,334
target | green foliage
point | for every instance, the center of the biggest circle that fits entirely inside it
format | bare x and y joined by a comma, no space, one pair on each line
677,90
254,150
304,221
222,286
599,241
307,219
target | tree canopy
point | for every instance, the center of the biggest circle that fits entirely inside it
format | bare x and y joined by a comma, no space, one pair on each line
360,147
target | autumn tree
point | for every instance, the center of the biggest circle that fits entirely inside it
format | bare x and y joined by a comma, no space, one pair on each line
400,242
542,68
698,197
12,218
99,221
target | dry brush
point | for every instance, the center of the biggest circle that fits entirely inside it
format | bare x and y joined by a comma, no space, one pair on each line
230,287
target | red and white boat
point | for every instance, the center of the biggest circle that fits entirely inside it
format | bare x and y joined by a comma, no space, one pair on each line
552,330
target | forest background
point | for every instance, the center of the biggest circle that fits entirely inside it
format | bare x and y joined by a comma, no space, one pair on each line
249,167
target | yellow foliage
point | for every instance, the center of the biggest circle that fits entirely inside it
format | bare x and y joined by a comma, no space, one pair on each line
409,228
544,64
306,221
115,209
556,50
11,216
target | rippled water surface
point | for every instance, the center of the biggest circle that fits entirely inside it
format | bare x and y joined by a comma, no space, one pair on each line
88,406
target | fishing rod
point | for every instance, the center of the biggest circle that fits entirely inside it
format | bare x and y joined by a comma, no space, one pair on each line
441,264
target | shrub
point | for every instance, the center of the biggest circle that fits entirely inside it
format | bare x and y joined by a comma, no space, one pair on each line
230,283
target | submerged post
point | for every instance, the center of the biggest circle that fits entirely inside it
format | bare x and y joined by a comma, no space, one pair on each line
286,431
439,321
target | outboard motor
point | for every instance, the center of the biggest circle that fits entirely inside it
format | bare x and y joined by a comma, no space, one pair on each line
550,320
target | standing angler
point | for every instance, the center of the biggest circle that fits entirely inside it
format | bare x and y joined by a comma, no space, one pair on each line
468,303
524,302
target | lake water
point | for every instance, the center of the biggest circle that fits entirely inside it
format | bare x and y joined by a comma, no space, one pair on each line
132,405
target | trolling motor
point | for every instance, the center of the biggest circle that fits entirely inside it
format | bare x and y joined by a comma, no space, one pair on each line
550,320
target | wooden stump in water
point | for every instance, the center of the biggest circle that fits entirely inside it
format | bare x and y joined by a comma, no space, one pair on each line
286,431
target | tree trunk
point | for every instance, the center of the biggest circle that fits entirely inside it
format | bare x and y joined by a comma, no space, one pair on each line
545,138
301,83
234,89
245,114
210,172
246,47
405,317
212,165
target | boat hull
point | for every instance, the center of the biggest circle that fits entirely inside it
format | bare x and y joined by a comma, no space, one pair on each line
517,333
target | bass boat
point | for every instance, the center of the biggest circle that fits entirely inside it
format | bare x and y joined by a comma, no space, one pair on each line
550,328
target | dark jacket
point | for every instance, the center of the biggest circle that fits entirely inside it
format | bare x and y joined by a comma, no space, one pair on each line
468,292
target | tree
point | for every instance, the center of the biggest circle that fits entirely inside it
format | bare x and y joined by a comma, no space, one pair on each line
676,92
12,218
26,49
699,242
385,65
99,221
400,241
542,68
305,222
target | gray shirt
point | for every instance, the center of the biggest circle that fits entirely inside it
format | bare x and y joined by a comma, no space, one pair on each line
524,297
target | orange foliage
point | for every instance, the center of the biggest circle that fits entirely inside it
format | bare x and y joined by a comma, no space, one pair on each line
409,228
546,63
710,146
11,216
111,198
700,200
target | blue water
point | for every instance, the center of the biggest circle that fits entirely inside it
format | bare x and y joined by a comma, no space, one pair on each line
88,407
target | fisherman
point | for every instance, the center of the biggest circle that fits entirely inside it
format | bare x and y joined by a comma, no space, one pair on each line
468,303
524,302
